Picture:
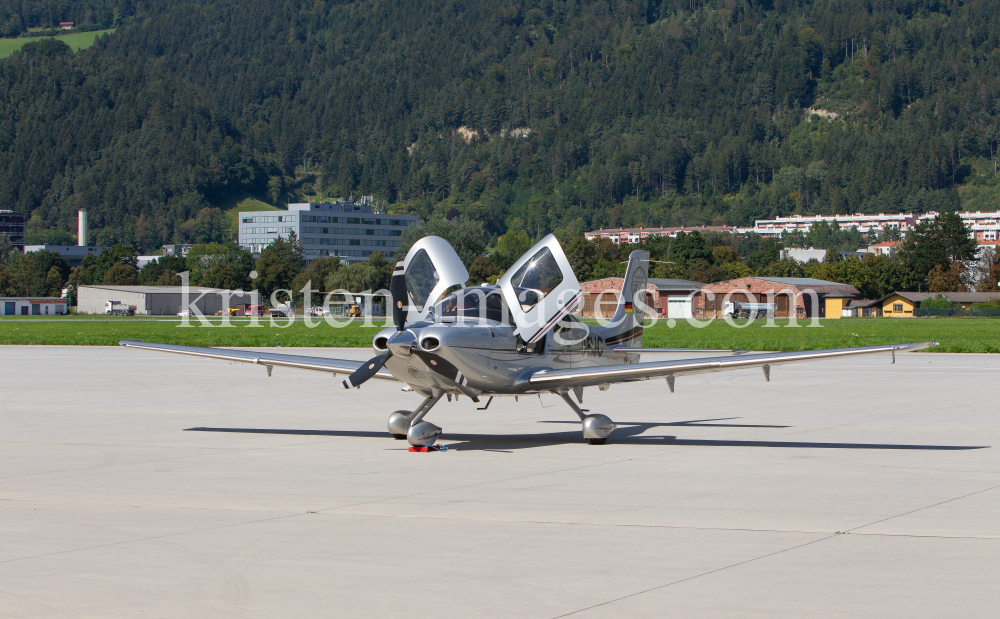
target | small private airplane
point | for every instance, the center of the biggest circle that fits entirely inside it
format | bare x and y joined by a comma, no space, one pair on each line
516,338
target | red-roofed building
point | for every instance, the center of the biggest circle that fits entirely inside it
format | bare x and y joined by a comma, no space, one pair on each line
66,25
631,236
885,248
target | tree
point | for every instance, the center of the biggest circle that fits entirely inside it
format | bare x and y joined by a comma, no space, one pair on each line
484,270
786,267
151,272
724,254
989,279
938,302
510,247
278,265
767,252
383,268
466,236
316,274
582,256
7,251
947,279
225,276
120,253
168,278
212,257
938,243
121,274
6,282
355,277
54,282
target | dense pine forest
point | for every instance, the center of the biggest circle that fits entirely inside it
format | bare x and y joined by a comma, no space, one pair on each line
550,116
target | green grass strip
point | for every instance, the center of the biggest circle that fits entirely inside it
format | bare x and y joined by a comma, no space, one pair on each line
955,335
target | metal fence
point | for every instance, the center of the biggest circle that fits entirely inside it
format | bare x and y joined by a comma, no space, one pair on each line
958,312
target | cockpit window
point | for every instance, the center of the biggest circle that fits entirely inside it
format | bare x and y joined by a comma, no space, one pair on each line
421,277
536,278
472,303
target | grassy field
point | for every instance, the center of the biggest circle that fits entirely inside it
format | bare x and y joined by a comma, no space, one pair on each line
249,204
955,335
77,41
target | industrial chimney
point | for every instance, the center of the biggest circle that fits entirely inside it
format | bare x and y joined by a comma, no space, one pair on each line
81,232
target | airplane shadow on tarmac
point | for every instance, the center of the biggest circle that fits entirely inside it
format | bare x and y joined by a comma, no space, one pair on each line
626,434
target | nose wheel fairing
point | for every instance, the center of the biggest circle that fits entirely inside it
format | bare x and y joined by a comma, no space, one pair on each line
410,424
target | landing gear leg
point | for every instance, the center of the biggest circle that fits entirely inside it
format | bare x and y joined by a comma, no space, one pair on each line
408,425
596,428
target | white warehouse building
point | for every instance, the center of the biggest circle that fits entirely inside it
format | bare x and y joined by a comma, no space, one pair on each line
350,230
158,300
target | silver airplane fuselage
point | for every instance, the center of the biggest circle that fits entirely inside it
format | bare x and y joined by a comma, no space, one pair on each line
477,356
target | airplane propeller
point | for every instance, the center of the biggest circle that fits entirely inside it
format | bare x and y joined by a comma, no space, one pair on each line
397,290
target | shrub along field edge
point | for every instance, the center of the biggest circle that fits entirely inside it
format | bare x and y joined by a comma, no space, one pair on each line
955,335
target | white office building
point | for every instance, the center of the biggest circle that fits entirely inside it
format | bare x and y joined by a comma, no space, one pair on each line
350,230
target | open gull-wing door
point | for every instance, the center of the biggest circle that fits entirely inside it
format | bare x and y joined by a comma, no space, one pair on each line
431,267
540,288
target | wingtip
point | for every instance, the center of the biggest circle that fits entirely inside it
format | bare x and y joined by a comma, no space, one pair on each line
129,342
919,345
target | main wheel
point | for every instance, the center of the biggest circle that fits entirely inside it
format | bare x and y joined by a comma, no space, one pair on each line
597,441
399,424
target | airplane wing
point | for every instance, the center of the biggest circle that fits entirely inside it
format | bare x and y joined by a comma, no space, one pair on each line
582,377
270,360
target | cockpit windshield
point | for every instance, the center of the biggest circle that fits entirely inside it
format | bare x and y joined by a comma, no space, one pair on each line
421,277
536,278
473,303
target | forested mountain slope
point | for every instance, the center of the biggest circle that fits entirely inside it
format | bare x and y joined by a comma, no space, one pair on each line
648,112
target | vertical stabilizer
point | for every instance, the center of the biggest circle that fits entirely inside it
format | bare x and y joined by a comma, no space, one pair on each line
627,323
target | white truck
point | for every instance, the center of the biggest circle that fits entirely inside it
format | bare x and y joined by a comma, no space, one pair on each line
741,309
117,308
283,311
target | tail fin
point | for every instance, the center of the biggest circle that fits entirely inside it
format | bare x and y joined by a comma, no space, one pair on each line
628,320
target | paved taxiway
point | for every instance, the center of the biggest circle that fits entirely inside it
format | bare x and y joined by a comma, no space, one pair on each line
140,484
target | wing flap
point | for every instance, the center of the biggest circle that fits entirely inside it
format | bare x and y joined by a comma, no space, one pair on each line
299,362
660,369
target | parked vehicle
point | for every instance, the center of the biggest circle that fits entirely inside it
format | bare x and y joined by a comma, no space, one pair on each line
353,310
185,313
739,309
283,311
117,308
319,311
255,310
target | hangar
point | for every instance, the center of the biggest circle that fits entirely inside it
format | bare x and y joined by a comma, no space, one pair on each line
33,306
672,298
159,300
810,296
600,297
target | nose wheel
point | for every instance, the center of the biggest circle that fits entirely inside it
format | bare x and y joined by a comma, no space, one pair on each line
409,425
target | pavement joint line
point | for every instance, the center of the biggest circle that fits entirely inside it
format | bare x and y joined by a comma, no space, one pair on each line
154,537
467,519
913,511
495,481
658,526
860,421
214,452
682,580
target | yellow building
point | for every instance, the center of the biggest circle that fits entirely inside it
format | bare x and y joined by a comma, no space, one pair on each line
902,304
836,304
